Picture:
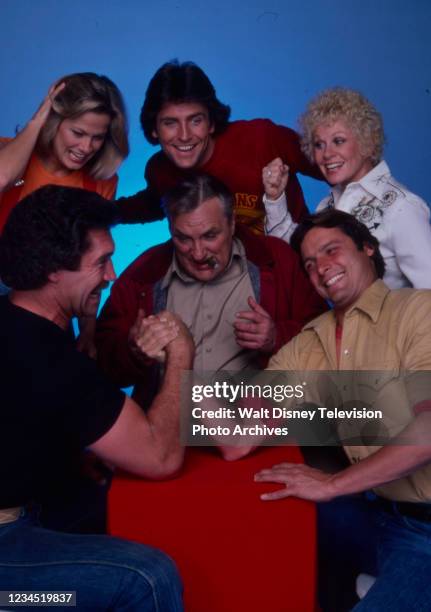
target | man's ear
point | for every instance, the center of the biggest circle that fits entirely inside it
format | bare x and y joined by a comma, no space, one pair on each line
154,134
232,224
212,128
54,277
369,249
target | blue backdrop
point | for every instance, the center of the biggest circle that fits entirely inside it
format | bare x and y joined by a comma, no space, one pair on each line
266,59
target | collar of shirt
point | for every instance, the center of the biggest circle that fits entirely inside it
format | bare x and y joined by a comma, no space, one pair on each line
375,183
370,302
237,253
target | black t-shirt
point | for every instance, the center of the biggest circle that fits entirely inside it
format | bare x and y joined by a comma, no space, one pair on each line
53,403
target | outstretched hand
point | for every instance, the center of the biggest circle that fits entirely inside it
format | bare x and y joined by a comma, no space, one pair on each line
299,480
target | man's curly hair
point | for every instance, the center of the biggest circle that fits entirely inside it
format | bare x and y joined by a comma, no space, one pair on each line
48,231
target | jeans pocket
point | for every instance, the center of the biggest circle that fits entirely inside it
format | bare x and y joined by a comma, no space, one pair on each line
422,528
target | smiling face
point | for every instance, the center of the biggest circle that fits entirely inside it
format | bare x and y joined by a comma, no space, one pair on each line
339,154
203,240
337,269
185,133
79,290
77,141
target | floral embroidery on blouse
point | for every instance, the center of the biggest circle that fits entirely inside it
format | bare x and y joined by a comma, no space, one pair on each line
389,198
368,213
371,212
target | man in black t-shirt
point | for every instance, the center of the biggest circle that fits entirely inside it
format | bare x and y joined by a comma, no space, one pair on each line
55,253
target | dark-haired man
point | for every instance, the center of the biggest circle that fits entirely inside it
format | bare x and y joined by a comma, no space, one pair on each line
182,114
242,296
385,532
55,253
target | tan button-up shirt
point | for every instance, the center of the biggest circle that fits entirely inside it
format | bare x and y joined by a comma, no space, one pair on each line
209,310
384,330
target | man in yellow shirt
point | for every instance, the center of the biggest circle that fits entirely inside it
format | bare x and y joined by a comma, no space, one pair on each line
383,527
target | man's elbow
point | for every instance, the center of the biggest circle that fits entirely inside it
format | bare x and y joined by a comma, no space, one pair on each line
166,465
233,453
172,464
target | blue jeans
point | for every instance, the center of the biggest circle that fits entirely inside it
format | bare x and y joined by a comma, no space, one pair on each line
357,536
107,573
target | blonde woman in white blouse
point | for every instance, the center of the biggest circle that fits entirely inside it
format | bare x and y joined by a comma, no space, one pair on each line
342,133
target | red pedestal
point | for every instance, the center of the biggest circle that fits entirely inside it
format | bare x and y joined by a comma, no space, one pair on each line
234,552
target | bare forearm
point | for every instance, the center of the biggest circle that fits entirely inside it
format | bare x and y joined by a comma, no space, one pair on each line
387,464
15,155
390,462
164,415
149,444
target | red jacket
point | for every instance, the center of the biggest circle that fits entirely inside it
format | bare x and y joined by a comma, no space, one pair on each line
280,285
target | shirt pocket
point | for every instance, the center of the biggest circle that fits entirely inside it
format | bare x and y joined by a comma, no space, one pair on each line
382,387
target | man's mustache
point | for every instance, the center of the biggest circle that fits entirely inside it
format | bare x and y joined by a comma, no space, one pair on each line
211,261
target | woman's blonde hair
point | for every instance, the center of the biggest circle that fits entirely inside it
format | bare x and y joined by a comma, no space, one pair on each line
352,107
88,92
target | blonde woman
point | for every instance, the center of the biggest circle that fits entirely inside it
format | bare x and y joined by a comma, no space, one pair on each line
342,133
76,138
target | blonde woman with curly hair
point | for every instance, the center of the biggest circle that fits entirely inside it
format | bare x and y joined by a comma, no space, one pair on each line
342,133
76,138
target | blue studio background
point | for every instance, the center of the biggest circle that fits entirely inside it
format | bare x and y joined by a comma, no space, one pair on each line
266,58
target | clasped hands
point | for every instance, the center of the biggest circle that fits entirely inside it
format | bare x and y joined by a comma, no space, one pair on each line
150,337
156,336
